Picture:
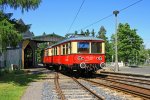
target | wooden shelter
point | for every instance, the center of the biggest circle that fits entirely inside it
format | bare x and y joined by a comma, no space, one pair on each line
24,55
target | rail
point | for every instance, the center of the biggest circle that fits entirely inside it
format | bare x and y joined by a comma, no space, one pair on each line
62,96
125,74
138,91
133,80
97,96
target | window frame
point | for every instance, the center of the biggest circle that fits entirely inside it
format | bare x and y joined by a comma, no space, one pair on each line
83,51
100,47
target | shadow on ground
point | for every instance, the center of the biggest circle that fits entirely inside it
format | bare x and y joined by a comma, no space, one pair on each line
19,77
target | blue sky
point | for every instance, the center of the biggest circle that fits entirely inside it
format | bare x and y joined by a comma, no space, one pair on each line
57,15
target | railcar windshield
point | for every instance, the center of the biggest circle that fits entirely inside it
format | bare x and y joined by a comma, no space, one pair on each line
83,47
89,47
96,47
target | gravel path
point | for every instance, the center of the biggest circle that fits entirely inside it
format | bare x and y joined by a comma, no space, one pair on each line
33,92
49,92
41,89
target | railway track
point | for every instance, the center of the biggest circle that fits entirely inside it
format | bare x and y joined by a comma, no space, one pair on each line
129,79
136,86
71,89
125,74
134,80
61,87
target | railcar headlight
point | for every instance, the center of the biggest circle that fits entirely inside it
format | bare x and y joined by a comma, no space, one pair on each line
99,58
80,58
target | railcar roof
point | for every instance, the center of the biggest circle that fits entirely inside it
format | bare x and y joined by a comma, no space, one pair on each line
76,38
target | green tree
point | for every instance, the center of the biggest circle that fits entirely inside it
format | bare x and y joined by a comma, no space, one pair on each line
148,51
129,43
93,33
142,56
40,51
82,32
108,48
18,26
24,5
102,33
87,33
148,55
44,33
8,33
76,32
10,29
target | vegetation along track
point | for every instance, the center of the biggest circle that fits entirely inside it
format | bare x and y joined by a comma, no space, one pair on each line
125,84
70,88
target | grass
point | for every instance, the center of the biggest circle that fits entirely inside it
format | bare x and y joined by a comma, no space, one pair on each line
14,84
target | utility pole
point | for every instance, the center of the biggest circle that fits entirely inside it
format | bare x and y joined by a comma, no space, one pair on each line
116,43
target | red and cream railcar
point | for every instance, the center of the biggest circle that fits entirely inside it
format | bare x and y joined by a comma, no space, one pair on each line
77,54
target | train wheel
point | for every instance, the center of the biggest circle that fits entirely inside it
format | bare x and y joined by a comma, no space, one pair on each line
55,68
60,68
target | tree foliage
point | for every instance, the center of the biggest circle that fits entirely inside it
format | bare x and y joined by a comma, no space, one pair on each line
102,35
129,43
10,31
24,5
93,33
87,33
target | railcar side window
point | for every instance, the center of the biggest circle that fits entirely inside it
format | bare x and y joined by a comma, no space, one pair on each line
52,51
46,52
69,48
83,47
56,51
96,47
63,49
66,48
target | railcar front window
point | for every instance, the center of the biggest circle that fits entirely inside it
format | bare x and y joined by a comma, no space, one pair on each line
83,47
96,47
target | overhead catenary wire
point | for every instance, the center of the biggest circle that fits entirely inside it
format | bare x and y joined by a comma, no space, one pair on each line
75,16
97,21
111,15
130,5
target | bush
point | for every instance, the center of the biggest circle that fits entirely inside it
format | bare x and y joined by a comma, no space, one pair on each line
1,73
18,72
7,70
4,71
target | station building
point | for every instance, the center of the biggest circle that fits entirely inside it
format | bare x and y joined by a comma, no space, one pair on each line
24,55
